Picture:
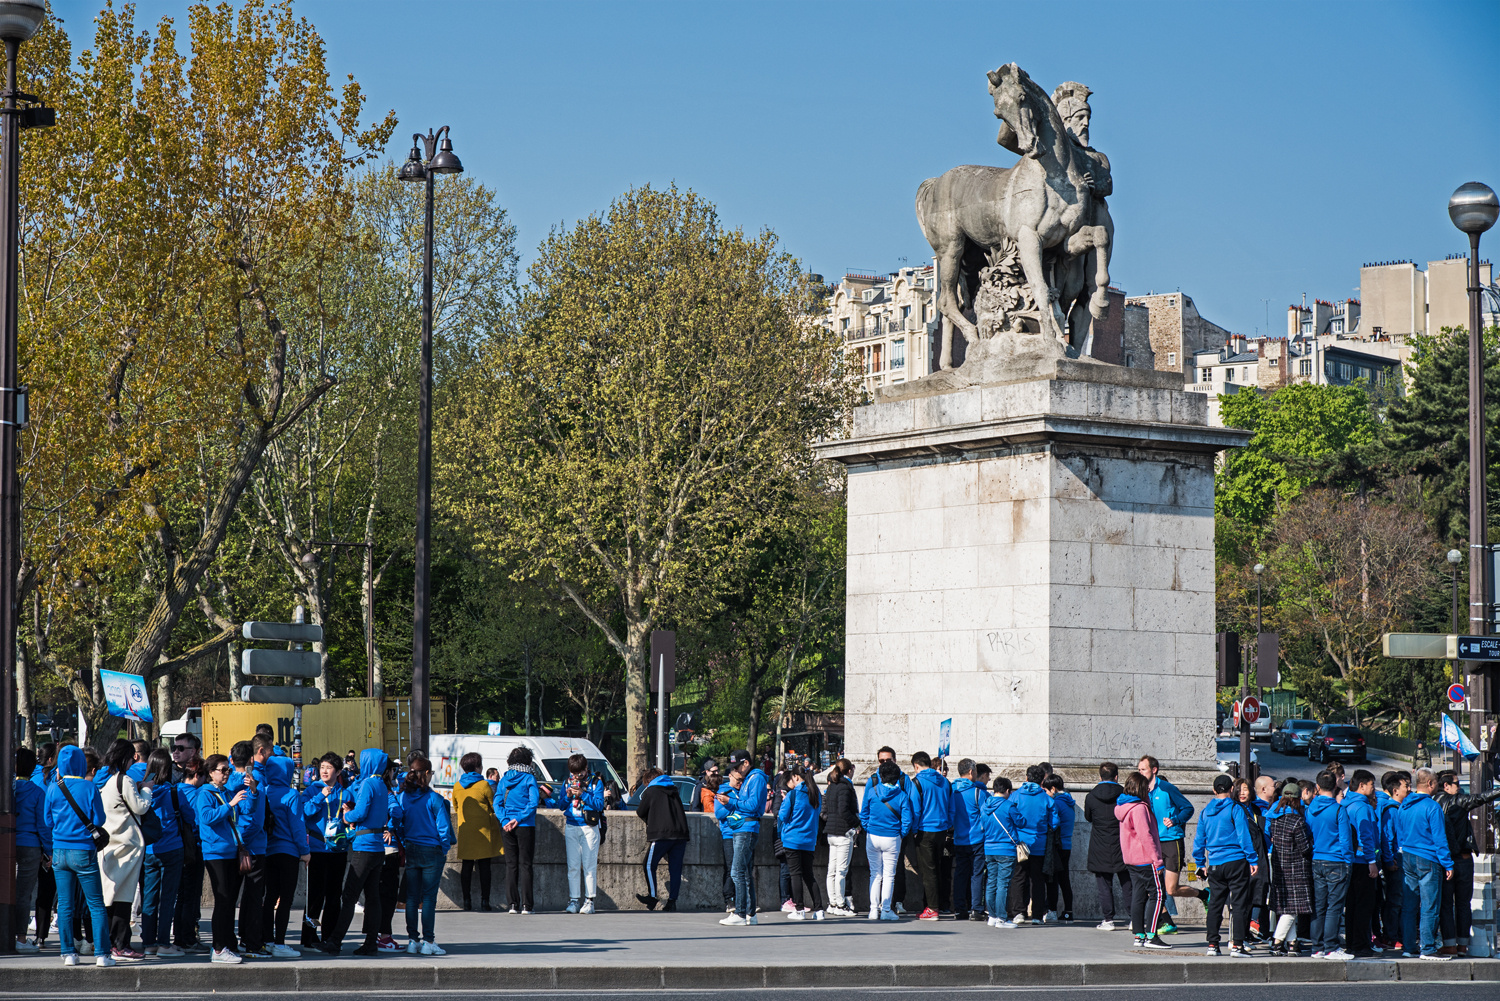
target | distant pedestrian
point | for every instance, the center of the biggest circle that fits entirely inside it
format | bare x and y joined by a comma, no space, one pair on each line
1172,811
1140,847
581,799
75,810
933,807
1426,863
886,816
840,811
516,801
33,845
1224,850
163,867
122,860
1454,915
478,829
1291,868
667,837
744,803
286,853
185,932
327,843
1364,867
1333,853
219,828
799,836
1002,849
1395,785
1105,861
426,834
367,817
1060,881
1035,817
968,842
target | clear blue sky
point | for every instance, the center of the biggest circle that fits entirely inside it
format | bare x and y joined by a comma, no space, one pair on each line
1259,150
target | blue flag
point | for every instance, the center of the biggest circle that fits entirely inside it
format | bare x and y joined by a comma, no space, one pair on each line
1456,740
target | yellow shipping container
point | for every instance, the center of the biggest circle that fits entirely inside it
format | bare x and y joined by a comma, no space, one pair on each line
337,725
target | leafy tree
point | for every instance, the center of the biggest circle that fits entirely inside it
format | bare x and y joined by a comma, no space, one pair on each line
637,432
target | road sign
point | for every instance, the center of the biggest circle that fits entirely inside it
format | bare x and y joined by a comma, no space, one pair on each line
663,660
282,663
1474,647
286,632
1250,709
287,695
1415,646
1228,667
1456,693
125,695
1267,670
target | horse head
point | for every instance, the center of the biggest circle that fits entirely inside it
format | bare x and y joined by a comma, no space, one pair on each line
1016,103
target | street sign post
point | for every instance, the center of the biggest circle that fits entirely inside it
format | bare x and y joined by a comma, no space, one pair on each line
1250,709
1474,648
295,663
1414,646
663,670
1456,693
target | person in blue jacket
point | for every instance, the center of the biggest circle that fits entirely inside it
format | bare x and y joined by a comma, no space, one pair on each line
968,842
33,845
367,819
1035,816
934,808
75,862
249,776
323,819
1060,881
1364,869
909,843
581,800
745,796
799,836
1333,851
1226,852
162,875
286,851
427,834
886,816
219,823
1426,863
722,810
189,911
1395,785
516,798
1000,840
1172,811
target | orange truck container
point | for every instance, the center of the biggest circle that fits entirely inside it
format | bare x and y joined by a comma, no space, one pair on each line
336,725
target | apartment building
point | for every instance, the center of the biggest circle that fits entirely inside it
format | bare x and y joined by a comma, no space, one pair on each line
1174,332
888,323
1400,299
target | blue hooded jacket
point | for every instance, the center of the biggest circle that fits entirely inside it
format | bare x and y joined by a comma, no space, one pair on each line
1388,812
999,826
161,805
592,798
68,832
252,810
32,831
517,798
187,807
1067,816
371,798
1421,829
424,819
1223,835
968,825
219,822
747,804
1333,836
1166,802
1035,815
318,810
887,812
934,801
1365,826
288,832
798,817
723,811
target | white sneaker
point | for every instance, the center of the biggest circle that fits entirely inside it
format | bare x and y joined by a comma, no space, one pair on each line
104,959
414,947
572,907
874,914
588,907
281,951
433,949
1005,924
1105,926
1049,918
733,920
817,915
1019,919
170,952
26,945
797,916
900,908
359,908
1338,954
889,916
71,959
225,956
989,922
1434,957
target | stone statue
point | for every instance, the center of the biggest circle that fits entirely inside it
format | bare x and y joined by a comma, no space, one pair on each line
1016,244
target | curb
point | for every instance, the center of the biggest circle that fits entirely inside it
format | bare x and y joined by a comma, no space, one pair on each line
31,981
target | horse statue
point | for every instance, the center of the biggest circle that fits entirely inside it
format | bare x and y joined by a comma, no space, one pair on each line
1044,206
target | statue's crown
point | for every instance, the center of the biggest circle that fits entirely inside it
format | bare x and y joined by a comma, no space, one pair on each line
1068,94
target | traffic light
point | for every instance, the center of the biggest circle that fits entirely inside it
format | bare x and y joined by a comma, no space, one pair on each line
282,663
1228,673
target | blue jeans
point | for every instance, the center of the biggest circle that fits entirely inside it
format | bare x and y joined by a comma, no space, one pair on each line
743,872
163,876
1330,886
997,884
77,871
968,877
728,845
424,870
1421,896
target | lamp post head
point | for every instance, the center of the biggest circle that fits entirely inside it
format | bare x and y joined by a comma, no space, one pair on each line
446,161
20,19
1259,569
412,169
1473,207
1455,557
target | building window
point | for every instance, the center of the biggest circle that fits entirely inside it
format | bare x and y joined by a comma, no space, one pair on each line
898,355
844,323
1304,367
877,357
1307,326
1336,326
1171,357
1129,359
1244,375
1275,362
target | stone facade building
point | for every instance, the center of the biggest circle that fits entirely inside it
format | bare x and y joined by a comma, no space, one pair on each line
888,323
1175,331
1400,299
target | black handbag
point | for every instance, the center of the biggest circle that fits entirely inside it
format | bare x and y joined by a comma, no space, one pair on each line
97,833
192,849
148,822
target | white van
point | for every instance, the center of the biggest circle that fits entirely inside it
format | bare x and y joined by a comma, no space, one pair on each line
550,755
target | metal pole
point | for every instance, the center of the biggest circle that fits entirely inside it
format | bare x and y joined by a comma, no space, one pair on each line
421,634
1245,692
298,615
1458,672
661,712
370,622
10,485
1479,584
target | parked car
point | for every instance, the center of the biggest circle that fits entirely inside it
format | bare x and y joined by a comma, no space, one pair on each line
1337,742
686,786
1227,757
1291,737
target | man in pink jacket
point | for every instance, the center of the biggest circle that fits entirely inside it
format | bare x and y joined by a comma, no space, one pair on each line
1141,850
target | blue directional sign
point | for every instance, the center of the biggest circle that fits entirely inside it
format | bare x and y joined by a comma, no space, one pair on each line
1476,647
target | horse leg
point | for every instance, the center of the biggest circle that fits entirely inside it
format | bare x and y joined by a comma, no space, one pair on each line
1099,302
1029,250
950,263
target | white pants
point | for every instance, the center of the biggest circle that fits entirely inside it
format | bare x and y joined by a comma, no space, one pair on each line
583,859
840,851
882,854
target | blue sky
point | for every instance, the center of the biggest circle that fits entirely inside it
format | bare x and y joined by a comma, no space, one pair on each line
1259,151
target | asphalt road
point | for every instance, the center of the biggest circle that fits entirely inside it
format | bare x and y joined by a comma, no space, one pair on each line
1198,992
1299,766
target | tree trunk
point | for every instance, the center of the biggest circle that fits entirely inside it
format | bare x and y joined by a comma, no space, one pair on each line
526,667
757,704
312,597
236,680
164,708
23,697
637,697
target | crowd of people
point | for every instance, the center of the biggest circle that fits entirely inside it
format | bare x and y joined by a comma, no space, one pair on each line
1348,868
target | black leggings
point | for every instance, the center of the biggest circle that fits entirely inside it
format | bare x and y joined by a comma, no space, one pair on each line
1104,885
390,885
520,847
46,898
225,877
1061,880
252,900
800,862
119,925
325,878
466,877
189,902
1028,887
1145,900
361,876
281,886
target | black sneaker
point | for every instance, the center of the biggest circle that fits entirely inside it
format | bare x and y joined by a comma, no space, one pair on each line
978,916
1066,917
1213,950
514,909
1239,952
1155,942
670,905
960,915
370,948
649,901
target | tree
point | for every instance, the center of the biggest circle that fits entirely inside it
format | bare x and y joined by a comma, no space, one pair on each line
1348,569
174,242
638,429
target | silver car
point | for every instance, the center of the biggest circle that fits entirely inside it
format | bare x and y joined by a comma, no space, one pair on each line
1292,736
1227,756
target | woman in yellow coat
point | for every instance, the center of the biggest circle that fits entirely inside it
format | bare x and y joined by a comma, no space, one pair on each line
478,828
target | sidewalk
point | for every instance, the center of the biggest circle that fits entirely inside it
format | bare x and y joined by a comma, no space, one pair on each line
637,950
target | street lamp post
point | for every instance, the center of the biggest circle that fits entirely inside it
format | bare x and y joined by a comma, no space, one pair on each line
1259,569
1473,209
19,20
439,160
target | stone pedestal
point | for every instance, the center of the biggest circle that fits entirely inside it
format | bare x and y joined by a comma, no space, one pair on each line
1034,560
